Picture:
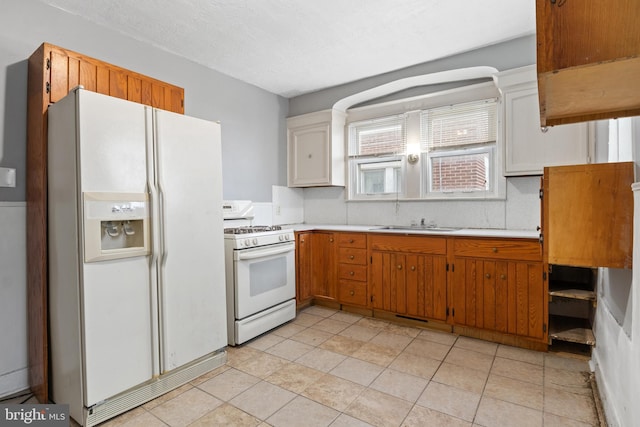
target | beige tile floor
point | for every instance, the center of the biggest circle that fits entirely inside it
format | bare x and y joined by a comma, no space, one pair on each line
331,368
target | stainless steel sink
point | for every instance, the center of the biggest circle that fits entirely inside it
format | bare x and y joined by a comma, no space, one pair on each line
418,228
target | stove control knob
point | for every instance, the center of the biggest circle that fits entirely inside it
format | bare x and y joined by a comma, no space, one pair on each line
286,237
281,237
255,241
247,242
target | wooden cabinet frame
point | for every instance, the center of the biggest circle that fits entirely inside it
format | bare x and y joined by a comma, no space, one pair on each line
53,72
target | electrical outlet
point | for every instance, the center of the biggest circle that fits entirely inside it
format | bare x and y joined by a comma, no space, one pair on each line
7,177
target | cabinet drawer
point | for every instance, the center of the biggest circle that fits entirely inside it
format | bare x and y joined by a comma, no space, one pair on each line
352,256
419,244
352,272
352,292
352,240
526,250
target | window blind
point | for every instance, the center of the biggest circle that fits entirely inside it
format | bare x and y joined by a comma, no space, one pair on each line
385,136
459,125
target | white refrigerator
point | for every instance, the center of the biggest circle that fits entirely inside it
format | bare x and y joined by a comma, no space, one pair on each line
136,253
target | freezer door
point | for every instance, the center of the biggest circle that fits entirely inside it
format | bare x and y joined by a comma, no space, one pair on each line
116,295
191,259
112,144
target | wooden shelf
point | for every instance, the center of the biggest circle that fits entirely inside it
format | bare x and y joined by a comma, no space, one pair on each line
579,294
571,329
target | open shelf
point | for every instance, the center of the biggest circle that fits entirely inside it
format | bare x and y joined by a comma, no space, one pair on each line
571,329
579,294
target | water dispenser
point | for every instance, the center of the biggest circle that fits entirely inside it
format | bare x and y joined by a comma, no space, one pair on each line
116,225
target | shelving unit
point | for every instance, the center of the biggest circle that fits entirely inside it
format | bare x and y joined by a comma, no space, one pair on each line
572,303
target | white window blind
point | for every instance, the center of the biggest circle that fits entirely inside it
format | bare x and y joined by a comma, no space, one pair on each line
379,137
455,126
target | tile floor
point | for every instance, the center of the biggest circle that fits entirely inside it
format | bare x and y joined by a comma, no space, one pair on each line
331,368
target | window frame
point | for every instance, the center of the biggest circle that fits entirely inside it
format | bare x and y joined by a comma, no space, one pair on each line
415,184
427,177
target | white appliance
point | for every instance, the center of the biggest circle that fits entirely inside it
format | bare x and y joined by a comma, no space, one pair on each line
260,270
136,253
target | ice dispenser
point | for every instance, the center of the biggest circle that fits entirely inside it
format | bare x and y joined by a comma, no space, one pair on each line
116,225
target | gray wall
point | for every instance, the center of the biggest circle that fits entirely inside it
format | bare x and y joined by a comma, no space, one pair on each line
503,56
254,157
253,135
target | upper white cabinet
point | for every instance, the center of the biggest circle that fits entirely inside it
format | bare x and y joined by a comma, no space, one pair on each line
315,148
528,148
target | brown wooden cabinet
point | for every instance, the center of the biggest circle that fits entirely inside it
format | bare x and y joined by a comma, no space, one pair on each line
408,275
587,215
315,266
588,60
53,71
498,285
352,268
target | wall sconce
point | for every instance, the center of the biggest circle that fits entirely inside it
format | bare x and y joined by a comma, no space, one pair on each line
413,158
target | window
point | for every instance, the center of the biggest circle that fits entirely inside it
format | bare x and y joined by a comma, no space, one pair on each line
454,145
375,155
458,142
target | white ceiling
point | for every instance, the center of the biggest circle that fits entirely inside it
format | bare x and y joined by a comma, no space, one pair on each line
291,47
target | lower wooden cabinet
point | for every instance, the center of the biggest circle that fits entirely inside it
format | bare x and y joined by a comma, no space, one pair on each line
413,285
315,266
502,288
492,285
408,275
352,268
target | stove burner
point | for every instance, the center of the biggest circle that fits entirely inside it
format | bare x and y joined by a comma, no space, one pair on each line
252,229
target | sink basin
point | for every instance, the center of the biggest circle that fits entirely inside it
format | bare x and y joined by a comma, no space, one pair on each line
417,228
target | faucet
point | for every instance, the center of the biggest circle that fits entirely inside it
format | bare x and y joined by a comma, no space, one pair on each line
422,222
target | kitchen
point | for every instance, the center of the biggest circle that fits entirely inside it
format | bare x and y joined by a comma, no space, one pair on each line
212,95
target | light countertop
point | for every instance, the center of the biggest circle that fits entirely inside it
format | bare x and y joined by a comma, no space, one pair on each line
462,232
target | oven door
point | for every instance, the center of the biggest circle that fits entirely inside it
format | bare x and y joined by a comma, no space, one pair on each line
265,277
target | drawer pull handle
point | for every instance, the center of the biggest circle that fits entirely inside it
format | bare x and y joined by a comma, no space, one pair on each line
352,293
351,257
488,276
331,240
413,268
502,276
301,240
351,273
399,266
351,240
494,250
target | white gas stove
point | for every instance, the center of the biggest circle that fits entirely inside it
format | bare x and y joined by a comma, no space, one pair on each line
260,272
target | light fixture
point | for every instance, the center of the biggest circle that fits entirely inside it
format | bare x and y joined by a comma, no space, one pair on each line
413,158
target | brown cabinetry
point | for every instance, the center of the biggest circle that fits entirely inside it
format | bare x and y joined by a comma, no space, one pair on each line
315,274
352,268
408,275
587,213
588,60
498,285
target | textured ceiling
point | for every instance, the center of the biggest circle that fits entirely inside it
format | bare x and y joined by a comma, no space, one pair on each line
291,47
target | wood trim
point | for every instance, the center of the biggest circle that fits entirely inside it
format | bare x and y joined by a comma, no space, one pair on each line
52,72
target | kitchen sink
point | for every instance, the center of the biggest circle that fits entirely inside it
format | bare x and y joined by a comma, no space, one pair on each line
417,228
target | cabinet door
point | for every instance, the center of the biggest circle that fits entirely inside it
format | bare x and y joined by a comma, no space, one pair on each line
309,155
502,296
409,284
323,265
528,149
588,215
304,273
426,286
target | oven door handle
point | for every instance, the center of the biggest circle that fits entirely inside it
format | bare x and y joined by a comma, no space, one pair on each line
265,253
